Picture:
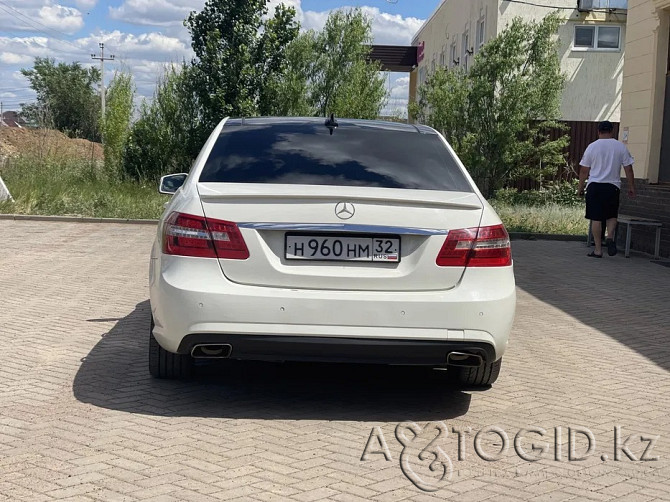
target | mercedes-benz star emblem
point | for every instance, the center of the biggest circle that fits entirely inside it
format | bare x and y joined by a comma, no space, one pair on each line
345,210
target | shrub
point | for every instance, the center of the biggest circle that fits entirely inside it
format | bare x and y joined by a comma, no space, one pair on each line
547,219
116,123
498,115
66,186
563,193
168,134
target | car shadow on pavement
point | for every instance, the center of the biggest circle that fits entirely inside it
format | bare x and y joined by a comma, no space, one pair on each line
114,375
625,299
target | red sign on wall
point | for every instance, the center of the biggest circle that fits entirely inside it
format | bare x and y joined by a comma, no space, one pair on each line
420,52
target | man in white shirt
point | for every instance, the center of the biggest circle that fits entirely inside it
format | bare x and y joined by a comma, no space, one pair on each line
601,164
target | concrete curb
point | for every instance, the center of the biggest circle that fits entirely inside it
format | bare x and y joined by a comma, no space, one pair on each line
75,219
528,236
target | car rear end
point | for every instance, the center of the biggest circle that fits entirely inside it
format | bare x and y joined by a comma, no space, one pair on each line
364,242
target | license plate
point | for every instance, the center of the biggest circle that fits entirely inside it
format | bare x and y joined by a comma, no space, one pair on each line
342,248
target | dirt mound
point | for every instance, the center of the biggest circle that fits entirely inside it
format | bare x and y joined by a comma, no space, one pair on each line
42,142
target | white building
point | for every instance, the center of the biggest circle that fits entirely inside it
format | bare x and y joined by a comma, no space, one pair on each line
591,49
645,118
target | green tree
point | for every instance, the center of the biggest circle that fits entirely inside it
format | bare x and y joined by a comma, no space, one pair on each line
238,50
250,64
68,92
498,115
287,91
343,80
167,136
329,71
116,124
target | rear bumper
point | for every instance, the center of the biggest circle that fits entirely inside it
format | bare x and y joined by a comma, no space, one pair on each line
344,350
192,300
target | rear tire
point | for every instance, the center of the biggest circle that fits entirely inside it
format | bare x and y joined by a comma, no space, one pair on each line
165,364
482,376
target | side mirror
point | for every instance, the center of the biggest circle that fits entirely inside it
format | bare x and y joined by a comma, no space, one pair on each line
171,183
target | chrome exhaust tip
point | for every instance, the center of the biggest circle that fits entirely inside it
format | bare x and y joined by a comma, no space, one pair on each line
211,351
464,359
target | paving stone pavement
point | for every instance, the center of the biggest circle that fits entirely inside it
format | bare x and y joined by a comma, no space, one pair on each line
80,418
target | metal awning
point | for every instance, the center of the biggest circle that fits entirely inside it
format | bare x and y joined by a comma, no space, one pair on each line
400,58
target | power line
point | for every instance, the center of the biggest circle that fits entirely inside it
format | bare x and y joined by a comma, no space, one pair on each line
595,9
54,49
13,108
540,5
16,98
36,24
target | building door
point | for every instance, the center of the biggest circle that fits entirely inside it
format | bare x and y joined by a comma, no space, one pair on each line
664,168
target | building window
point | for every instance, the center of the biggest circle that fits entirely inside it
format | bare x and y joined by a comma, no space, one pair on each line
422,75
588,5
443,57
465,49
453,55
597,38
481,32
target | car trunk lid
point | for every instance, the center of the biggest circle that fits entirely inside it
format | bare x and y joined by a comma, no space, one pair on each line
268,215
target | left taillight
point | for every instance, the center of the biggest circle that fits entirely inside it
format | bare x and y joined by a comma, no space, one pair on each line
191,235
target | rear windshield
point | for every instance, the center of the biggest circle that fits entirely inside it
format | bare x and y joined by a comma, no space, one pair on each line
353,155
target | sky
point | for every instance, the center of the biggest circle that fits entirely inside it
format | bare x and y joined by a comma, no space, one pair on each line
144,35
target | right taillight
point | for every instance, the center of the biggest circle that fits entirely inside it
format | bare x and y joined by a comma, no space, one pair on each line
476,247
191,235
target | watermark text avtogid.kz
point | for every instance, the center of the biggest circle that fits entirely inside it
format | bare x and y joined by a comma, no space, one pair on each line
428,453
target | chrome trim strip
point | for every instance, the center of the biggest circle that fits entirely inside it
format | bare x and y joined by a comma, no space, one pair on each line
343,227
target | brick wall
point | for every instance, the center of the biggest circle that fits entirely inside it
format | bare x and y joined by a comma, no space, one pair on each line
652,201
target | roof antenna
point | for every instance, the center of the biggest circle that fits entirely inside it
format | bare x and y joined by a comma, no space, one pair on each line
331,123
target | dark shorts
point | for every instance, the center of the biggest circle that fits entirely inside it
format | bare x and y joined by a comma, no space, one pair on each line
602,201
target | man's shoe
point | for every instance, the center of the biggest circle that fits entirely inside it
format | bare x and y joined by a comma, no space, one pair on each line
611,247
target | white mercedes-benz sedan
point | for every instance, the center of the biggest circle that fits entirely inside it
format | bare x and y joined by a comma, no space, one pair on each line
299,239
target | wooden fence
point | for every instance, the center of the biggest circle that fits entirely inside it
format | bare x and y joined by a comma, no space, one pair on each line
581,135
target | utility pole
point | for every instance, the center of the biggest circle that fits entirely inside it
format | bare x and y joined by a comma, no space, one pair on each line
102,59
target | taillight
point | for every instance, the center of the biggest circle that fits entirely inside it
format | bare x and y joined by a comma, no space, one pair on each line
456,249
476,247
492,248
190,235
228,240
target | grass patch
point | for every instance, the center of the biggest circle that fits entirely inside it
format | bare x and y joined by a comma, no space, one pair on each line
548,219
73,187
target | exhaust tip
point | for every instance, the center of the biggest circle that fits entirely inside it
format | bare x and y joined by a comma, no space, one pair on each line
464,359
211,351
